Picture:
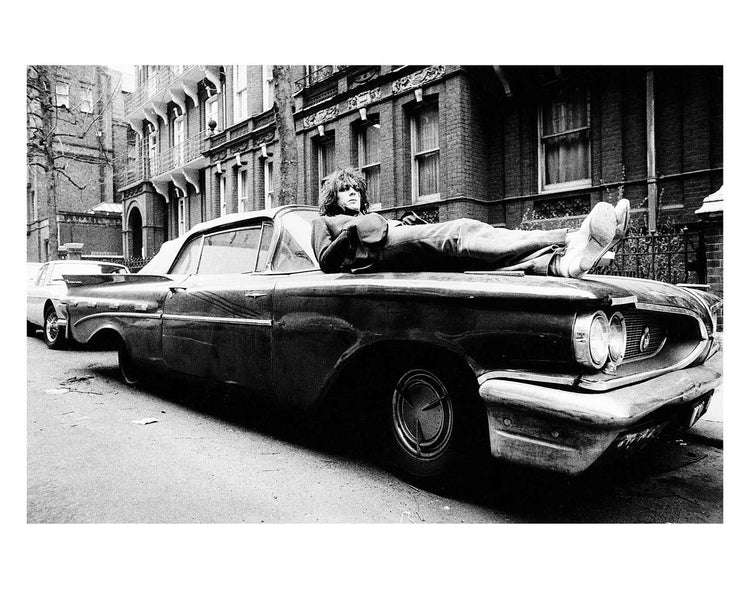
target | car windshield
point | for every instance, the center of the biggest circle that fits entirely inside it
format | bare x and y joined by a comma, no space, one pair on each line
60,270
295,251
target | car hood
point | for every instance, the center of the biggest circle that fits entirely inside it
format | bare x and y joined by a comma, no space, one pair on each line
589,291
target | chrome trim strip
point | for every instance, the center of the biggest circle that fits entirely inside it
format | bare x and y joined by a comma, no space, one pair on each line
587,384
624,300
674,311
599,386
557,379
124,314
207,319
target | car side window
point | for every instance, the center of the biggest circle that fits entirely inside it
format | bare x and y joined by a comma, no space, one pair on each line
265,245
187,262
230,252
41,277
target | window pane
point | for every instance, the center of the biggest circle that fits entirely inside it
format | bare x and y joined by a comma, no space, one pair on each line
427,129
328,158
565,110
230,252
370,145
567,158
428,171
372,175
294,251
187,263
265,245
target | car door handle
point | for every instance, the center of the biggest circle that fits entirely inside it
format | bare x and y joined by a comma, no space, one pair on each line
255,294
176,288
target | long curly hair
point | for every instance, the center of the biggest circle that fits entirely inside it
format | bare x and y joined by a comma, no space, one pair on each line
342,180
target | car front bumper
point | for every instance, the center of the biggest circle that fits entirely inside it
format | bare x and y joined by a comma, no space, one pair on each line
565,431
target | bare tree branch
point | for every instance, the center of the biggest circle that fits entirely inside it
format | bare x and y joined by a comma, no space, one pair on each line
73,182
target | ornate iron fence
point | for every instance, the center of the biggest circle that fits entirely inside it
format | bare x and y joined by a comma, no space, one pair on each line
678,257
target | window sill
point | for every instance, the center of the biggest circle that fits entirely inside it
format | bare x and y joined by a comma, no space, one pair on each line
565,187
426,198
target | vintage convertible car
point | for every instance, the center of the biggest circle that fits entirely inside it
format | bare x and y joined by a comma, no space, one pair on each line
46,287
548,372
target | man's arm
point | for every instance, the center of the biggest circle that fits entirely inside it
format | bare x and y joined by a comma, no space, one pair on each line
331,251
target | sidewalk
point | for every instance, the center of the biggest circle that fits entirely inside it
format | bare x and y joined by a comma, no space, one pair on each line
710,427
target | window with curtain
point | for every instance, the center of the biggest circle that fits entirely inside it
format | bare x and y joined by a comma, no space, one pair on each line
87,100
565,138
222,196
212,111
326,148
242,191
62,94
181,222
425,147
178,141
368,156
268,183
267,87
239,73
152,141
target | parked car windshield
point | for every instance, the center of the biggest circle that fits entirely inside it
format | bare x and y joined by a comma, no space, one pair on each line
59,270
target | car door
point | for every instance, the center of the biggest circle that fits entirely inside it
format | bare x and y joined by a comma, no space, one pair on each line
36,295
217,322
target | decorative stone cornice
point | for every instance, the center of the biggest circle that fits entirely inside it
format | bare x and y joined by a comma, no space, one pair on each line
363,98
417,79
320,117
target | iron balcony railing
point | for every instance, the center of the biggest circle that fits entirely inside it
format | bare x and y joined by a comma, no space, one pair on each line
159,80
317,76
132,170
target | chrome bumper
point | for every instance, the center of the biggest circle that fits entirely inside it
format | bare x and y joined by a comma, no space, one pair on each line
565,431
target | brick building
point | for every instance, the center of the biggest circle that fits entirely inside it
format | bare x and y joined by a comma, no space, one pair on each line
514,146
89,129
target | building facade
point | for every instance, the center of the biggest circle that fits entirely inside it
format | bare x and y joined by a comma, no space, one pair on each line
513,146
89,129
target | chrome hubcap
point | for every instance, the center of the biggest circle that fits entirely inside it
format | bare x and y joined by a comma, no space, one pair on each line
422,414
50,327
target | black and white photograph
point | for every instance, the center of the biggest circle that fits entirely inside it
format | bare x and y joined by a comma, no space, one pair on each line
334,303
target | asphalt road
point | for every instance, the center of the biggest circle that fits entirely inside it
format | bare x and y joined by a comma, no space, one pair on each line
209,458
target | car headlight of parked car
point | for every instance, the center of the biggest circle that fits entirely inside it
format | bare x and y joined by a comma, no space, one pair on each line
591,339
617,338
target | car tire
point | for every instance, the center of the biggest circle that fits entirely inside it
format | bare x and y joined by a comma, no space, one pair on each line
435,425
30,329
129,371
54,337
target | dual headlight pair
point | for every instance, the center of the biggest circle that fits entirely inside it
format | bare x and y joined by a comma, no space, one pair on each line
597,339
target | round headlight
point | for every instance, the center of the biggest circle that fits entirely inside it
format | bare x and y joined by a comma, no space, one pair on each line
591,339
617,338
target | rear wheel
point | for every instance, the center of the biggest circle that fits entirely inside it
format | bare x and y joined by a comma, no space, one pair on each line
435,425
129,371
53,335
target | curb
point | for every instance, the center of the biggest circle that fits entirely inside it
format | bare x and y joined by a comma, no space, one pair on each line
709,433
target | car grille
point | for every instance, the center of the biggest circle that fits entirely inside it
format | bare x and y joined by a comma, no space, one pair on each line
636,323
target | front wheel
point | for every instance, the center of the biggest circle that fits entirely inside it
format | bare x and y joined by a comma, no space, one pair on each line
53,335
129,371
435,424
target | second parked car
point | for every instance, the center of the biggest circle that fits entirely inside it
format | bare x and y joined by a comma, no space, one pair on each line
43,307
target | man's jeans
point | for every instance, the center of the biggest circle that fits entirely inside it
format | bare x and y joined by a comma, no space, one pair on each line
467,242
